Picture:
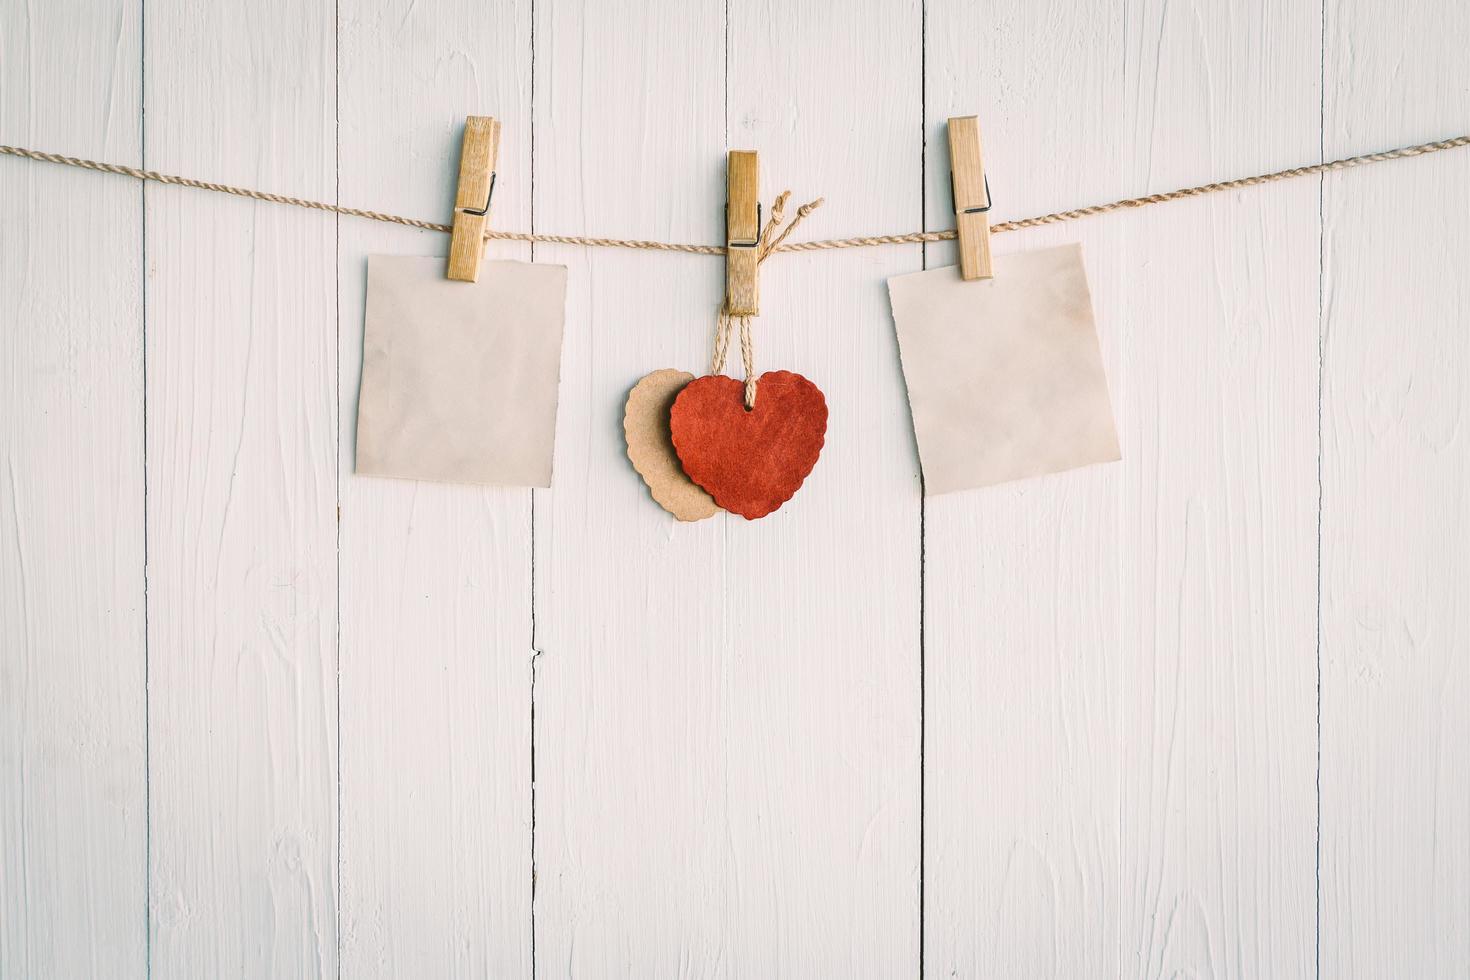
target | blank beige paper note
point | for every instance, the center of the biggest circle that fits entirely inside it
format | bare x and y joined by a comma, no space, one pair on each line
1004,375
459,379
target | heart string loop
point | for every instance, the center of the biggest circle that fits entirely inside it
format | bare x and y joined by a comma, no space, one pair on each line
747,354
722,340
747,351
723,323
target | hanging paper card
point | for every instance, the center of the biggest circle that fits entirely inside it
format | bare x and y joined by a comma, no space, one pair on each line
459,379
1004,375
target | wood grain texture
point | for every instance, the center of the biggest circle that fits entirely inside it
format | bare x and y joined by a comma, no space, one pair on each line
436,579
242,473
636,872
73,865
969,188
1395,634
726,779
743,233
479,148
823,598
1119,671
1022,829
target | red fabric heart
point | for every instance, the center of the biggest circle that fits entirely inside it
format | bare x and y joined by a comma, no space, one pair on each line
750,462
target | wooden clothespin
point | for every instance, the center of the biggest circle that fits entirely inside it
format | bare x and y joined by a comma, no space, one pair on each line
743,234
971,197
472,200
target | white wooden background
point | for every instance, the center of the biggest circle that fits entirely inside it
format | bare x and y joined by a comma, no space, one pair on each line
1203,713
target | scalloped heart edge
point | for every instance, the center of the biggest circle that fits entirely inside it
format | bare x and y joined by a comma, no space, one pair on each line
821,445
636,459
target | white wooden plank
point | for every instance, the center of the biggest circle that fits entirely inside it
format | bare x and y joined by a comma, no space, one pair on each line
1022,755
73,866
1120,683
1395,538
823,597
635,875
726,726
435,579
242,452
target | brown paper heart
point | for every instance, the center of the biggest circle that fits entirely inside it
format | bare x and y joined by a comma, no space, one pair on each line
750,461
646,427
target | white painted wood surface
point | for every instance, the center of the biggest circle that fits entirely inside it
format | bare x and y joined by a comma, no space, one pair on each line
1395,539
629,683
435,670
1127,653
1202,713
73,746
242,493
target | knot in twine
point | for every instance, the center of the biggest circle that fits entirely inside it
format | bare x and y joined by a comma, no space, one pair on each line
768,246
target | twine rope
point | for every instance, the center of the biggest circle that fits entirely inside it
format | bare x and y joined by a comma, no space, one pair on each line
777,245
768,245
747,350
